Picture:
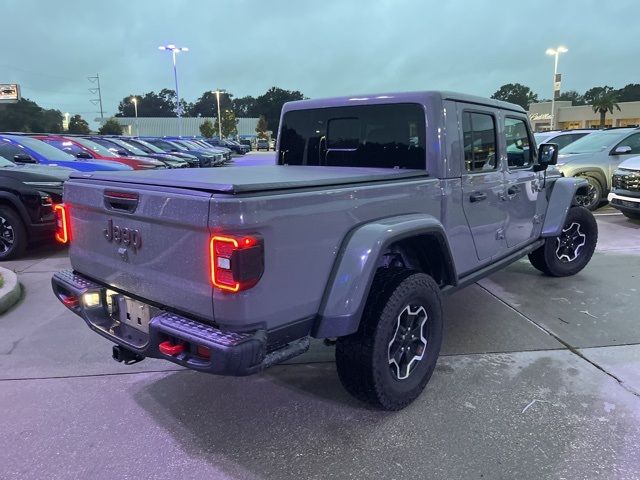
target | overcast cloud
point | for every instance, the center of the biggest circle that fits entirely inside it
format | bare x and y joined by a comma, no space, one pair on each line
322,48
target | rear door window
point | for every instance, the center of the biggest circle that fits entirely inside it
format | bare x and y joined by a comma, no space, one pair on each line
479,134
378,136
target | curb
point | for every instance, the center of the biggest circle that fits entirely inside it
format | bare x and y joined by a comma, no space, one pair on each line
10,291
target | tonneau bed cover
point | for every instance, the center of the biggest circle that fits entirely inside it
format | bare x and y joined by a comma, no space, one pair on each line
238,180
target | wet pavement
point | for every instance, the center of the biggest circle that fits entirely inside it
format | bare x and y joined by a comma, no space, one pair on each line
538,379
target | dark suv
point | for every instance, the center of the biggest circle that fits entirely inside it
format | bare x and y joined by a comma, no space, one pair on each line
28,194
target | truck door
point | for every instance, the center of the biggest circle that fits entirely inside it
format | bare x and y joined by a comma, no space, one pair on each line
482,181
522,184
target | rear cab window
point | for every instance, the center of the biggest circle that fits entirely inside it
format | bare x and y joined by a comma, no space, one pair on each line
375,136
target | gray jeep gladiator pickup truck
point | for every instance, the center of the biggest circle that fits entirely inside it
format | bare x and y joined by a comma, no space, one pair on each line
377,207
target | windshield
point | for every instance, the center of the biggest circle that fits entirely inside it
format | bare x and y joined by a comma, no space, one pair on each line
105,152
187,144
41,148
542,137
132,148
595,142
146,146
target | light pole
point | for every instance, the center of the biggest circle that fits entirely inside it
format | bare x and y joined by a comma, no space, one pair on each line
556,53
218,92
173,49
134,100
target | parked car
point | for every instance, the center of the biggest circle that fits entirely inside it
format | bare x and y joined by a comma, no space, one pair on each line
248,141
150,149
194,145
231,144
562,138
121,147
24,149
262,144
355,235
595,157
28,195
206,158
625,191
83,148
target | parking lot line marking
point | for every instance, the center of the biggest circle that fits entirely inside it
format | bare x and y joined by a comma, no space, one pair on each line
605,214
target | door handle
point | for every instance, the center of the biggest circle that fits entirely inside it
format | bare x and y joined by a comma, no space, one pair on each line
477,197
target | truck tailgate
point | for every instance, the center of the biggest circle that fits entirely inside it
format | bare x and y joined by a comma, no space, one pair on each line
146,241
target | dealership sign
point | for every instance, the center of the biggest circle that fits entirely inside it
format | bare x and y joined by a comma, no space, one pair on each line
9,92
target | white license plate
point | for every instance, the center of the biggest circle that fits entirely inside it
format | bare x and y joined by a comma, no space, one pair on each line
134,313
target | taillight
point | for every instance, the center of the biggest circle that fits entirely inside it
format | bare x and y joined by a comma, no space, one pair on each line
237,262
63,227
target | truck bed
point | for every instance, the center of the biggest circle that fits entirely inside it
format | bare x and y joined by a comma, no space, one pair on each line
235,180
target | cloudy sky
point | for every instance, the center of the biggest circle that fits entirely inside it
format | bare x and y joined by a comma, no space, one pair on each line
322,47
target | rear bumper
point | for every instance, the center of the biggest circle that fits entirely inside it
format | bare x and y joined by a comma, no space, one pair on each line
230,353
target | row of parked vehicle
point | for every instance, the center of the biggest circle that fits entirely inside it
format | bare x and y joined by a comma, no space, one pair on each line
608,159
33,168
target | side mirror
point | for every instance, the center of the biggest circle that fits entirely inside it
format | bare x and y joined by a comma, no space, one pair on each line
547,155
621,150
84,155
24,158
122,153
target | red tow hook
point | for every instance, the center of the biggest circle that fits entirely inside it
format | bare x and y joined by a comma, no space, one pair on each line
171,349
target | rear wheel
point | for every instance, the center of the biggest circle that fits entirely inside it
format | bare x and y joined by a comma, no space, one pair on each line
13,235
592,198
391,357
571,251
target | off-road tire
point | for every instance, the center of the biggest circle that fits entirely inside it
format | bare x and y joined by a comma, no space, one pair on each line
546,258
363,358
632,215
11,218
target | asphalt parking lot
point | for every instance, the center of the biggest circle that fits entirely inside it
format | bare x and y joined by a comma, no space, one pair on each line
539,378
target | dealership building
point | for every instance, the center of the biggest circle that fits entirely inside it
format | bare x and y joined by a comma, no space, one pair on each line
168,126
570,116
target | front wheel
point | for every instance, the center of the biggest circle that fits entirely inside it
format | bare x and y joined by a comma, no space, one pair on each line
391,357
571,251
592,198
13,235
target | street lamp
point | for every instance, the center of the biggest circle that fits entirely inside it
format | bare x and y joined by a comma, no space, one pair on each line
556,53
218,92
173,49
134,100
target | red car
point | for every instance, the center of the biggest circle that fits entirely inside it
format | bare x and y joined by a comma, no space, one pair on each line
83,148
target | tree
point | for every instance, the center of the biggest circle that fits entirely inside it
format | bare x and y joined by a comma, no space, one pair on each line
151,104
28,116
516,93
229,123
593,93
110,127
629,93
270,104
261,128
571,95
207,130
604,101
78,125
207,105
244,107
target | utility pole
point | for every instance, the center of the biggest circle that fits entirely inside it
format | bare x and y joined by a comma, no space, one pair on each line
97,101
